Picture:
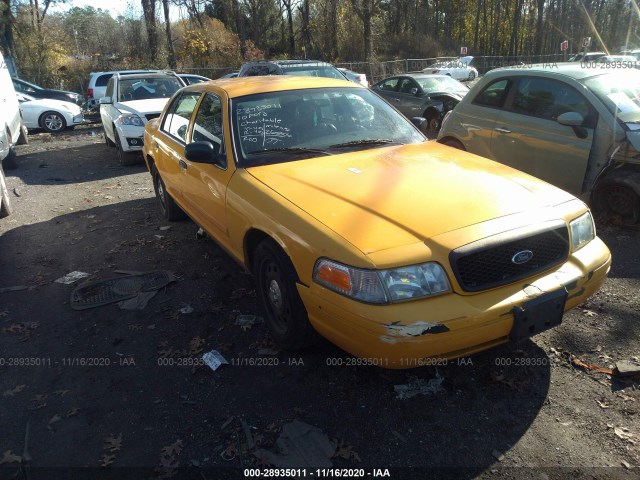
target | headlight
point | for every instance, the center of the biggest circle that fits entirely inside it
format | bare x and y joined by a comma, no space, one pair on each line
131,119
382,286
582,231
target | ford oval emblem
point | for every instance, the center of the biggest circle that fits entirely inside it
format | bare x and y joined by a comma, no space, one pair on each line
522,257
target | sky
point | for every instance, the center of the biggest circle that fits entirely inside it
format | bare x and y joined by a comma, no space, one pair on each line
115,7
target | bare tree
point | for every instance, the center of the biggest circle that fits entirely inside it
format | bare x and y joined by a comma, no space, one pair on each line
171,57
366,10
149,12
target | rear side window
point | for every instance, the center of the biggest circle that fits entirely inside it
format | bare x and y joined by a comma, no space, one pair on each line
102,80
176,121
495,94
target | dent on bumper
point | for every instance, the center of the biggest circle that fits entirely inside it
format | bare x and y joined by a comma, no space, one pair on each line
412,334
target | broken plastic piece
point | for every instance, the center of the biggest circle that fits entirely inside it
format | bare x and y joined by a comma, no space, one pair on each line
626,368
419,387
72,277
248,320
214,359
186,310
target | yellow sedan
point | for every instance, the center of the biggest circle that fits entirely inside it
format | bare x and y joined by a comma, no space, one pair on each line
399,250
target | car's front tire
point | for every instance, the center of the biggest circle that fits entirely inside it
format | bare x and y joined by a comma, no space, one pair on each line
23,139
126,158
107,140
472,75
52,122
619,200
170,209
286,316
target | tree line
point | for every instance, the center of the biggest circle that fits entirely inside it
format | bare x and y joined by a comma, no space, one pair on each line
52,47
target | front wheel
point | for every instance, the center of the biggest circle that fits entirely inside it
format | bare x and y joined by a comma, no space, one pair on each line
23,139
53,122
126,158
287,318
472,75
170,209
621,201
432,125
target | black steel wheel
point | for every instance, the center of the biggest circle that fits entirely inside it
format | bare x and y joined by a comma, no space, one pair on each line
126,158
286,316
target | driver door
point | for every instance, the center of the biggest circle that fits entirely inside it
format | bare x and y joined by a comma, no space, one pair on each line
205,184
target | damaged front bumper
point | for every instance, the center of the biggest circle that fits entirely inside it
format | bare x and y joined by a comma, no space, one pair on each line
418,333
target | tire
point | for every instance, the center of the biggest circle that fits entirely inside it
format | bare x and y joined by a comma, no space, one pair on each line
107,140
286,316
23,139
452,142
432,125
5,204
126,159
619,200
11,160
52,122
472,76
170,209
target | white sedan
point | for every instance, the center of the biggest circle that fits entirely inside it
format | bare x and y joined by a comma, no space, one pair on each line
459,69
51,115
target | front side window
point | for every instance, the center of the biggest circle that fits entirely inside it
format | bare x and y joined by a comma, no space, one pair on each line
109,91
389,85
406,84
494,95
291,125
547,98
176,121
208,123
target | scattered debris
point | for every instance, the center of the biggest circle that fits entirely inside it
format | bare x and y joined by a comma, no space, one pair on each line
73,412
13,391
419,387
399,436
247,321
186,310
247,434
344,450
300,445
624,434
111,447
16,288
579,363
214,359
10,457
603,404
200,234
626,368
55,419
16,192
165,228
169,460
498,455
72,277
626,464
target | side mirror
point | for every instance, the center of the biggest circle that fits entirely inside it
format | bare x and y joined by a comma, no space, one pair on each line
105,100
413,91
418,121
204,152
571,119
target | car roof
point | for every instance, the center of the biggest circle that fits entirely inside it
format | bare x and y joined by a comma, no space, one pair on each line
573,70
151,74
241,86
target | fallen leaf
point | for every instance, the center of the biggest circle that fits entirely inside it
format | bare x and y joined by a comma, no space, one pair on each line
13,391
61,393
10,457
73,412
113,444
344,450
624,434
195,345
173,449
54,419
603,404
589,313
107,460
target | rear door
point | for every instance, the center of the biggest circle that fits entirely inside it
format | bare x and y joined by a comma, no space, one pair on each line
527,135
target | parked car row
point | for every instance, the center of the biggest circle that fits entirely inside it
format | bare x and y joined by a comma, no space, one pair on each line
396,249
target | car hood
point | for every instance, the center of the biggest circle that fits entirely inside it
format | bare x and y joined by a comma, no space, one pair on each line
393,196
51,103
149,105
450,94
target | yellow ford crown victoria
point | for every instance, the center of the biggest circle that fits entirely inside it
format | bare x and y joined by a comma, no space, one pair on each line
396,249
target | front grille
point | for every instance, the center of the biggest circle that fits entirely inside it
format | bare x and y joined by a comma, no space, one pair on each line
489,263
151,116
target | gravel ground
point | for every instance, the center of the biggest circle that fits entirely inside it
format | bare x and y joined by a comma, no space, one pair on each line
117,393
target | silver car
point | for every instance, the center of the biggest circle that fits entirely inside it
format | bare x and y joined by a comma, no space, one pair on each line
575,126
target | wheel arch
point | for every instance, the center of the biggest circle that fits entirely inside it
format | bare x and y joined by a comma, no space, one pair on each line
451,138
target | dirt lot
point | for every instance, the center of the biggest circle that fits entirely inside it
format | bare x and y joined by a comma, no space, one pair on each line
117,390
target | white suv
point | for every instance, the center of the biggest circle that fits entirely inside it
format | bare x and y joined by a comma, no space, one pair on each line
129,103
98,84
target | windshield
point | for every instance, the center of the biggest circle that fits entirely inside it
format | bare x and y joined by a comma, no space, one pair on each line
441,84
620,92
283,126
313,71
147,87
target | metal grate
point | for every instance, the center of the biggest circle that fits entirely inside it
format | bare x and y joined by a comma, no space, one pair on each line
113,290
490,263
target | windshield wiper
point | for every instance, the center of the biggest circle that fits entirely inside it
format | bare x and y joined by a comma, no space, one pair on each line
290,150
356,143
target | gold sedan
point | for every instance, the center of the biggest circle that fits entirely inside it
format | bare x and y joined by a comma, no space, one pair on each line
398,250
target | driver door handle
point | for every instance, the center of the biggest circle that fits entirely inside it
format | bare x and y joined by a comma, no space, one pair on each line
502,130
